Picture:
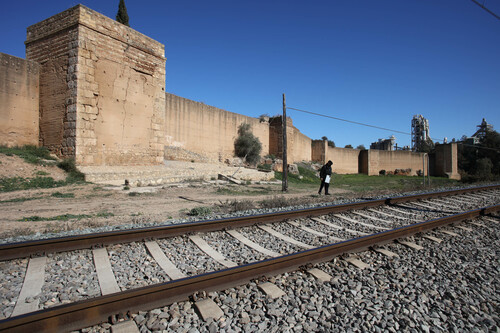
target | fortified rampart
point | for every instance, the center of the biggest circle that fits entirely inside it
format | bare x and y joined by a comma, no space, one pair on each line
378,160
19,91
206,131
299,146
101,89
94,90
345,160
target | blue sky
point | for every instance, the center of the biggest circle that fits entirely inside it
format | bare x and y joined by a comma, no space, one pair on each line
375,62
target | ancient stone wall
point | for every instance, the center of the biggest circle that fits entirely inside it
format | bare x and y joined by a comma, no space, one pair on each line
318,151
276,138
299,146
53,44
19,90
391,160
345,160
302,147
101,89
196,131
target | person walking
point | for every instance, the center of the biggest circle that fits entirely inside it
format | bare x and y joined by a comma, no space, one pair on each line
325,175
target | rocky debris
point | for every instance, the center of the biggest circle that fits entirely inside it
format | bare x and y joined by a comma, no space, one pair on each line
397,172
293,169
229,179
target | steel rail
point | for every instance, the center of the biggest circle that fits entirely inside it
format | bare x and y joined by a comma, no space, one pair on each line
59,244
89,312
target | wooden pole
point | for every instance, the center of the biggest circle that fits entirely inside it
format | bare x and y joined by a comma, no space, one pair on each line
284,184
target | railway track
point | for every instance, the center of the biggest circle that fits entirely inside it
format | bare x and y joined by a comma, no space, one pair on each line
151,267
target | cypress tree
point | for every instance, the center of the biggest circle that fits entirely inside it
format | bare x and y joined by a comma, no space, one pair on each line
122,15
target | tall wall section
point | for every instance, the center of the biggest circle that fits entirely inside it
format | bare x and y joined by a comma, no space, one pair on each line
53,44
444,161
299,146
318,151
101,89
19,90
198,131
345,160
378,160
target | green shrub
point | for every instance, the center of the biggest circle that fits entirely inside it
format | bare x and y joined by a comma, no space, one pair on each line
266,167
236,205
247,145
275,202
200,211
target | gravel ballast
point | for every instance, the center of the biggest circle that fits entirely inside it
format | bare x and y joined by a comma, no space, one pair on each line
449,286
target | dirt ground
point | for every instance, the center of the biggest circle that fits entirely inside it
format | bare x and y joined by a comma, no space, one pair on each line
97,205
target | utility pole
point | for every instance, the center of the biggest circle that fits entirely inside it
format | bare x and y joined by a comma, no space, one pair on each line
423,168
284,184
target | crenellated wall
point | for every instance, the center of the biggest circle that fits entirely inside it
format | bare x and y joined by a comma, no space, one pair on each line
19,90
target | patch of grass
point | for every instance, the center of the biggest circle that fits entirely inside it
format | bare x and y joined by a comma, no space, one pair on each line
65,217
31,154
19,183
104,214
62,195
362,183
74,175
266,167
20,199
306,176
200,211
42,173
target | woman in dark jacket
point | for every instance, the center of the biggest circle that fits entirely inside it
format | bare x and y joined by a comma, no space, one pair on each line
325,174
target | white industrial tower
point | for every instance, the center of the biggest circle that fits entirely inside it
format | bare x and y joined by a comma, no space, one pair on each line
419,132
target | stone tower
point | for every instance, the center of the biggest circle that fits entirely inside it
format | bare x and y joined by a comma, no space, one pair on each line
102,89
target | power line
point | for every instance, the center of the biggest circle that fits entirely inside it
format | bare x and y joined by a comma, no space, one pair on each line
383,128
486,9
349,121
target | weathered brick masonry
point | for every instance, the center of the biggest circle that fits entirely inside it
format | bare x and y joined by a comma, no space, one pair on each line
102,89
